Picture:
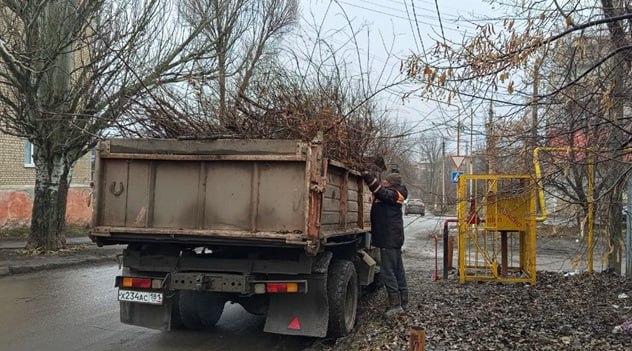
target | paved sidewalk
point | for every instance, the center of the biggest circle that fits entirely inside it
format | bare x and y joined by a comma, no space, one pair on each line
80,251
22,244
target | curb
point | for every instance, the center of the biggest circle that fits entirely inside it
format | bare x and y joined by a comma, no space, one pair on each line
31,268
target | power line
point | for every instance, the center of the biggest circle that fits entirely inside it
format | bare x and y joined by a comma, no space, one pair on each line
458,30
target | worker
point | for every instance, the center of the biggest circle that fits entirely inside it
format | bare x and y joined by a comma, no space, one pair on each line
387,228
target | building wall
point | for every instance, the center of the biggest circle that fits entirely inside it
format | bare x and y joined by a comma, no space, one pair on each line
16,206
13,172
12,169
17,187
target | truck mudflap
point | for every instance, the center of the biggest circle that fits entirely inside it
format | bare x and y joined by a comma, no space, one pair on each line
148,316
300,314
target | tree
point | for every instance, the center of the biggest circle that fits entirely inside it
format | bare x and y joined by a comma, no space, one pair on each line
278,89
491,65
427,154
245,36
70,68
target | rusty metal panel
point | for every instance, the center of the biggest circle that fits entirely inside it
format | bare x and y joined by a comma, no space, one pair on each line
258,189
229,196
113,193
282,197
346,202
329,217
176,194
203,147
137,194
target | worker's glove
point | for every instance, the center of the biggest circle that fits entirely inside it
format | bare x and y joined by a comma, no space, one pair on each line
368,177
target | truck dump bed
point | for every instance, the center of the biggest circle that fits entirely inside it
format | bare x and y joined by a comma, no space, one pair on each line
274,192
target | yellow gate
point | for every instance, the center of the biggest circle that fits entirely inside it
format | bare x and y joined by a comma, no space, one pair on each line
496,222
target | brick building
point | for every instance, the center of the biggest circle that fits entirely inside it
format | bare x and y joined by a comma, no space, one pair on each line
17,180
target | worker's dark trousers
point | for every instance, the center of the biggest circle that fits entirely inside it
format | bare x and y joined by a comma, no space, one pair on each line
392,271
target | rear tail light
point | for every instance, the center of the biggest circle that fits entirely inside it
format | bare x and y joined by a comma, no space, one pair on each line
281,288
141,283
144,283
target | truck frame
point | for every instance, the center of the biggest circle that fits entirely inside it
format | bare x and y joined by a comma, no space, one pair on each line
270,224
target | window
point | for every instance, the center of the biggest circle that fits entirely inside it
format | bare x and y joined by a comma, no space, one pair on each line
29,149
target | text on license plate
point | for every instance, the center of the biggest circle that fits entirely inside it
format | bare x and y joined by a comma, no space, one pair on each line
154,298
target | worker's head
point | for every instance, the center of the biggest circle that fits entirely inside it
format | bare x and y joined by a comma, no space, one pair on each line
393,179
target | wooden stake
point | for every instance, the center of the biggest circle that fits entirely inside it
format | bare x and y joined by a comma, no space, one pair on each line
417,340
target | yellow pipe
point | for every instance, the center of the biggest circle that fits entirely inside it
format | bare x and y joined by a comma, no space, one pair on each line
538,179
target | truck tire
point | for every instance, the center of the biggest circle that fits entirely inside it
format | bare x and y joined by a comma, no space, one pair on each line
342,293
176,320
200,310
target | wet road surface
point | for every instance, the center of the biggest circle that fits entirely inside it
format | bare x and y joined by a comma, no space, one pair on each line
556,254
76,309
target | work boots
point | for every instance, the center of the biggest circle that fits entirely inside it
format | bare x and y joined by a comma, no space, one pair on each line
394,305
404,299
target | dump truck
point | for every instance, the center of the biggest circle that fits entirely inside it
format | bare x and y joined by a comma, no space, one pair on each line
272,225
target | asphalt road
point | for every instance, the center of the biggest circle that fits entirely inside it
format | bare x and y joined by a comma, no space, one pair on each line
76,309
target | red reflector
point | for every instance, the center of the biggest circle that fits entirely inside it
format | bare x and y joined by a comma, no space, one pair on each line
144,283
295,324
276,287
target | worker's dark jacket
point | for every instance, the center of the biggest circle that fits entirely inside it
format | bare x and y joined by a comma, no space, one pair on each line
387,223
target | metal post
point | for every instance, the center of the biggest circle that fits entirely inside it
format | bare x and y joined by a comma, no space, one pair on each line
628,232
591,209
503,254
442,176
491,143
446,238
417,340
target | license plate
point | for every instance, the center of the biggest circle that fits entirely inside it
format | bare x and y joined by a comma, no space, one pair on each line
150,297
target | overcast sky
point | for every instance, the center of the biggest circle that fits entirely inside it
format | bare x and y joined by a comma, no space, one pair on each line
390,33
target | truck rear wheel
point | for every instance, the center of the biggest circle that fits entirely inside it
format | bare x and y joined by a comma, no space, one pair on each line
342,293
200,310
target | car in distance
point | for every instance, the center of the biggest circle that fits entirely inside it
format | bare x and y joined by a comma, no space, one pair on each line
415,206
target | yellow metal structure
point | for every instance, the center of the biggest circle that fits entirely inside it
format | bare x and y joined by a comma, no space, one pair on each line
496,222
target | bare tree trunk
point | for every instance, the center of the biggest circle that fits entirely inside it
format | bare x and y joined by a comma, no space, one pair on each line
49,206
615,230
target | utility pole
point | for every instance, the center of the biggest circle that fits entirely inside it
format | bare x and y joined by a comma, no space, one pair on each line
471,154
628,231
491,143
442,176
534,114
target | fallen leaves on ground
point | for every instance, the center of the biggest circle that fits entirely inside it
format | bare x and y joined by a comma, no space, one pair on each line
575,312
59,252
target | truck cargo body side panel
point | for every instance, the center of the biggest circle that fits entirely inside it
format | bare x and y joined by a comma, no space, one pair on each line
229,196
176,195
272,192
282,192
238,196
113,196
345,201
